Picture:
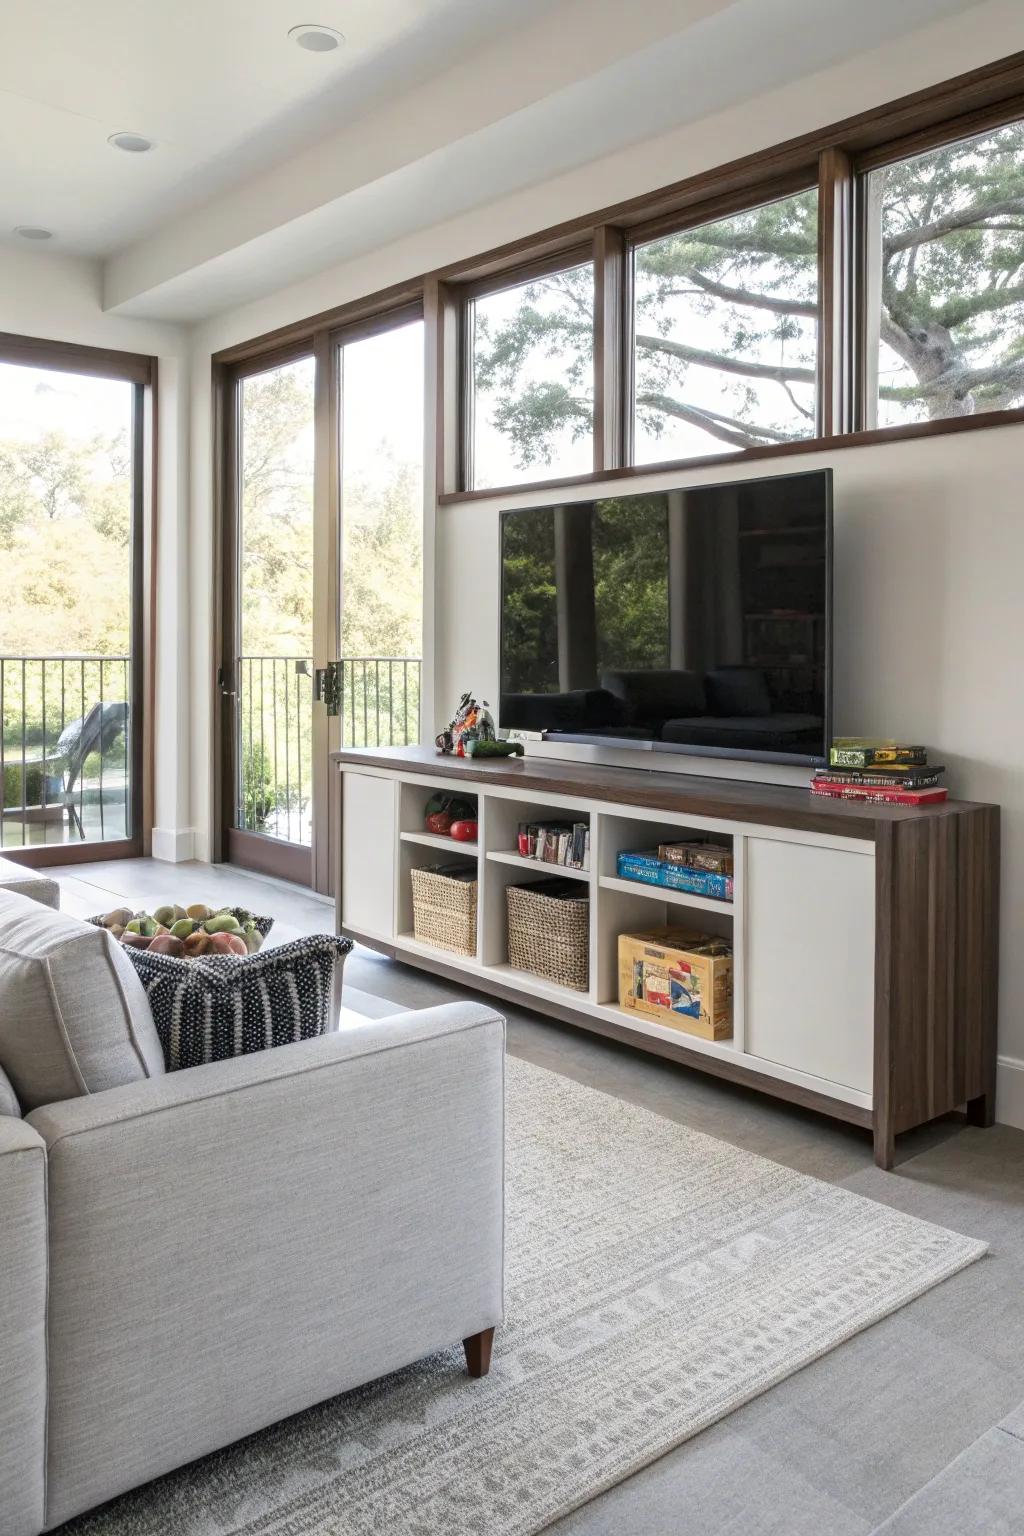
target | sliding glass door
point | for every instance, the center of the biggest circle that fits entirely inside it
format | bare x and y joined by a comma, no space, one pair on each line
71,666
323,582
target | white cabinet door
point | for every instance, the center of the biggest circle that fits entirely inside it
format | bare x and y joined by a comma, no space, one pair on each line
810,975
368,853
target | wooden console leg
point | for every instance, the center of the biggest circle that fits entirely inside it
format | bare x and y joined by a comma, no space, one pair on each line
982,1110
478,1352
885,1144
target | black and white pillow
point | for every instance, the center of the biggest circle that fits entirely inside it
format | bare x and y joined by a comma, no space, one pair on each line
218,1006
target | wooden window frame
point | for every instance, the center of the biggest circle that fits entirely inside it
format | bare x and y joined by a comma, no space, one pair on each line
141,372
837,158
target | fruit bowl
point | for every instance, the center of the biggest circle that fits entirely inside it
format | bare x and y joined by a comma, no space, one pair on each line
188,933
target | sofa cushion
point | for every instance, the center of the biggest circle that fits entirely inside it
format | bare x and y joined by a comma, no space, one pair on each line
8,1098
29,882
217,1006
658,693
736,691
73,1014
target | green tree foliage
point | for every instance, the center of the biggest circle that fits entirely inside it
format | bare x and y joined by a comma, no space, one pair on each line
631,582
726,314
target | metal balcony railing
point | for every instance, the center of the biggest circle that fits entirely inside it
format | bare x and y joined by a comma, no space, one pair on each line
65,749
378,705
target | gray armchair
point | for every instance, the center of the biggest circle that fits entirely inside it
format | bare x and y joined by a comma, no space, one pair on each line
189,1257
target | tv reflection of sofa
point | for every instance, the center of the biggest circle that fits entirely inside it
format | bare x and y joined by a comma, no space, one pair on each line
729,707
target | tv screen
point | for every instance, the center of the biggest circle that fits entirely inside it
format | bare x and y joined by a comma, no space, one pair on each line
692,620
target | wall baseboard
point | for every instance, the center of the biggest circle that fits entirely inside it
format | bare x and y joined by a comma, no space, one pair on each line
1010,1091
173,847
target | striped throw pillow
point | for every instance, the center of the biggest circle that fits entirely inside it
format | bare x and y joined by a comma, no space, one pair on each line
218,1006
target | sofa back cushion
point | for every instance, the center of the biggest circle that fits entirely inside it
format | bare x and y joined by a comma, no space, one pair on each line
74,1017
8,1098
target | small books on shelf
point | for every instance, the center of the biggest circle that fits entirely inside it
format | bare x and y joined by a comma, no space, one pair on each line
885,794
893,772
555,842
647,867
864,752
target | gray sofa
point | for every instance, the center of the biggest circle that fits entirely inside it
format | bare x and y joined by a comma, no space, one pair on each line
188,1257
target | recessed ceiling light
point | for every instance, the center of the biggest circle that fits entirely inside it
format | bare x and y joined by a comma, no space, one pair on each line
316,39
33,232
131,143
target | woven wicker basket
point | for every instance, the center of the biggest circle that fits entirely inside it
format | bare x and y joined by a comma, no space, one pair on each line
549,935
444,911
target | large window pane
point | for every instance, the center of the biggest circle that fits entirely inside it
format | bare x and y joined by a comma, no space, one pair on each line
66,614
946,281
382,536
276,597
533,379
725,333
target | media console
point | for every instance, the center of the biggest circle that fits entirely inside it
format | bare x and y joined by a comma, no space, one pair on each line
865,937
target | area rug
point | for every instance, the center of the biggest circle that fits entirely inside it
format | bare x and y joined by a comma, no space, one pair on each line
657,1279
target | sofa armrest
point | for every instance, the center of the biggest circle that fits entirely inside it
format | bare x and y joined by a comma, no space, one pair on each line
22,1327
235,1242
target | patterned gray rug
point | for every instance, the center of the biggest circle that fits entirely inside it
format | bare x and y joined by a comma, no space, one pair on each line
657,1279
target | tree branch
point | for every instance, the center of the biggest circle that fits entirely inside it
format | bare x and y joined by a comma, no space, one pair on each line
745,296
726,428
749,370
959,218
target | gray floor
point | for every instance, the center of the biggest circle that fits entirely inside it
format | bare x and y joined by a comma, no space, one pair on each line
841,1446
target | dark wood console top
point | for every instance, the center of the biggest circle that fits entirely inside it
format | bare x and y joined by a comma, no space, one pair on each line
777,805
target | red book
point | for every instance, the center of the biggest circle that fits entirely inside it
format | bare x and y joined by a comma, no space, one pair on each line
888,796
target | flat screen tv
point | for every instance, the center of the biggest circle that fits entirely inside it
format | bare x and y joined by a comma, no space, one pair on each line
694,620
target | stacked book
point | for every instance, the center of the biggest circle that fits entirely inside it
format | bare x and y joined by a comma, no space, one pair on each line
890,771
556,842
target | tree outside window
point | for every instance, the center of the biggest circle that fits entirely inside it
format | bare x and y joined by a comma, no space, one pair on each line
946,281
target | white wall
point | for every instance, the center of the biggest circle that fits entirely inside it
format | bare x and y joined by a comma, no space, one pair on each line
59,298
930,534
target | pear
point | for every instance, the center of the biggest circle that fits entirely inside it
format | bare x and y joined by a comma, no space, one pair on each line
223,923
118,918
183,927
198,912
179,912
164,915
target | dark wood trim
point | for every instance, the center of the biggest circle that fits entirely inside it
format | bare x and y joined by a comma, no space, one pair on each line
760,804
43,855
734,197
835,275
478,1352
327,577
529,271
612,310
151,539
270,856
142,638
374,325
300,333
69,357
936,971
274,357
864,439
223,597
945,130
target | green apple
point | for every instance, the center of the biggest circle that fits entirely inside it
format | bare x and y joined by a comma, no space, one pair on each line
223,923
134,926
183,927
165,915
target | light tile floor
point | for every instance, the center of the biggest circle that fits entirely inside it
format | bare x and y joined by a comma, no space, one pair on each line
838,1448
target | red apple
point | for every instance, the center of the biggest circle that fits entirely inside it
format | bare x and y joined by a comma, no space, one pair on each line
135,941
166,944
464,831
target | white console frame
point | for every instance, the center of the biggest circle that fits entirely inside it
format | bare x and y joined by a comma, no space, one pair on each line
826,1021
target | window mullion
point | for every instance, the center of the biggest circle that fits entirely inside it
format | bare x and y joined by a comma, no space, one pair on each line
610,354
837,349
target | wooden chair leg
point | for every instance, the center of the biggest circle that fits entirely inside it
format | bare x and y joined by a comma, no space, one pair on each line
478,1352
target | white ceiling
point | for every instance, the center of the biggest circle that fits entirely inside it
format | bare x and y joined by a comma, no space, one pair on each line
272,162
216,83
